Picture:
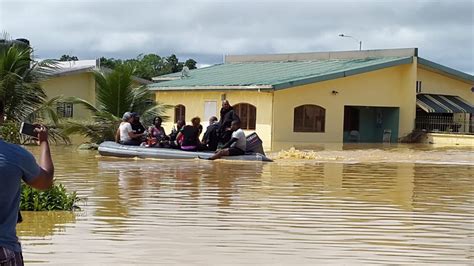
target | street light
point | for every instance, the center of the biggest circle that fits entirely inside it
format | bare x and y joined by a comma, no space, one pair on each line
348,36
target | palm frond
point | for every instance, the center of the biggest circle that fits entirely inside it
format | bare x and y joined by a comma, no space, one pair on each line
115,95
21,91
76,100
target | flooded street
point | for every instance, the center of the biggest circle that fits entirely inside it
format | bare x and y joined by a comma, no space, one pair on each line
376,205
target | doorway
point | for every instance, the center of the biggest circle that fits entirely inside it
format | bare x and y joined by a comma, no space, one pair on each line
370,124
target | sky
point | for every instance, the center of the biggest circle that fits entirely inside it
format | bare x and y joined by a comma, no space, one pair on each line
206,30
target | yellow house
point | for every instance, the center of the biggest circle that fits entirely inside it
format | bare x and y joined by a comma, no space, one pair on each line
76,78
306,98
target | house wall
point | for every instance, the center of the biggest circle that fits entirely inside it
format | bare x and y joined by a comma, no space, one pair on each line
80,85
435,83
194,103
389,87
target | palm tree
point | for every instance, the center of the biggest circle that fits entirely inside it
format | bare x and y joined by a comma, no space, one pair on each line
115,96
21,91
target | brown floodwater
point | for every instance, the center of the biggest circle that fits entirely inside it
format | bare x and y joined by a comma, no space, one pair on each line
358,205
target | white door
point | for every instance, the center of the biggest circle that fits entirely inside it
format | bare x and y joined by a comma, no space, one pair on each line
210,109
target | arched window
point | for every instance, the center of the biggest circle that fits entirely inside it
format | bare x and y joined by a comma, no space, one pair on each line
179,113
309,118
247,114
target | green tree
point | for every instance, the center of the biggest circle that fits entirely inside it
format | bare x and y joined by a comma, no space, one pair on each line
115,96
66,57
19,83
148,66
173,64
21,91
190,63
109,62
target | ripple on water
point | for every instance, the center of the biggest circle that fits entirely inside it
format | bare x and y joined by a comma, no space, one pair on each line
369,211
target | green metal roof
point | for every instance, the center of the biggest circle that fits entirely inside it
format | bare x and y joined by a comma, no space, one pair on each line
275,75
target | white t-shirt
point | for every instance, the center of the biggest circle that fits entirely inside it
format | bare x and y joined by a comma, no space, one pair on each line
241,142
124,129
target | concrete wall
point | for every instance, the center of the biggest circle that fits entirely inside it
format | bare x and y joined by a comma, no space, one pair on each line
449,139
436,83
194,103
80,85
390,87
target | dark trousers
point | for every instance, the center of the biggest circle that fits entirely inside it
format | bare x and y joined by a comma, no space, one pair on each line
10,258
132,142
224,137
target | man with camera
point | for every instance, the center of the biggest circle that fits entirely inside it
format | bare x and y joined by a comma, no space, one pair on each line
16,164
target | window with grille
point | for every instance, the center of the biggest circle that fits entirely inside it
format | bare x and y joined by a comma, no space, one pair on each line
247,114
179,113
418,86
309,118
65,109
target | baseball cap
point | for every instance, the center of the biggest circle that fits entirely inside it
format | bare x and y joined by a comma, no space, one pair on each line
126,116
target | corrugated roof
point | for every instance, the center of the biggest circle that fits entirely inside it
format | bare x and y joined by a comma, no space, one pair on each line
84,69
275,75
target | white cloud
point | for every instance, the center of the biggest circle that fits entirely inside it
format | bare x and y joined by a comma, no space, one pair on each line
205,30
118,41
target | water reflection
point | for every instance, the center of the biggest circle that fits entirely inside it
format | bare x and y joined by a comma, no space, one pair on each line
45,224
287,212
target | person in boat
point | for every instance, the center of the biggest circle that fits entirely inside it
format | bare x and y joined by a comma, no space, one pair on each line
174,132
210,138
125,134
227,116
156,134
138,127
188,138
235,146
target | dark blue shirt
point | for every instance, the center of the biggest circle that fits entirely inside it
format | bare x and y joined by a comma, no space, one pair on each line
16,163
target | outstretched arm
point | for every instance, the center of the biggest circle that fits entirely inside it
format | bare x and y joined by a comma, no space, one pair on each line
135,135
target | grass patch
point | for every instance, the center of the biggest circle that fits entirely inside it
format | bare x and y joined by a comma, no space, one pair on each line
54,199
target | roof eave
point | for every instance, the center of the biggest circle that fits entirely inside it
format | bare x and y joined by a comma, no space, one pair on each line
342,74
71,72
430,65
213,88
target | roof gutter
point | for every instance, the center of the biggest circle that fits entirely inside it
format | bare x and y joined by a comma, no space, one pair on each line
212,88
427,64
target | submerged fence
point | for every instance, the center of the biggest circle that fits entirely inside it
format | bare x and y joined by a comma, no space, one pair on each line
444,124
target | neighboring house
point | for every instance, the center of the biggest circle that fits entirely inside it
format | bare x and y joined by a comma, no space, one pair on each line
364,96
76,78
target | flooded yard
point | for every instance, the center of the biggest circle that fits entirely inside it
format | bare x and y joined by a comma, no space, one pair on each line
359,205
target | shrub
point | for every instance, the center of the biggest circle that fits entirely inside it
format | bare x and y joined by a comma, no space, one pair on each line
55,198
10,132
